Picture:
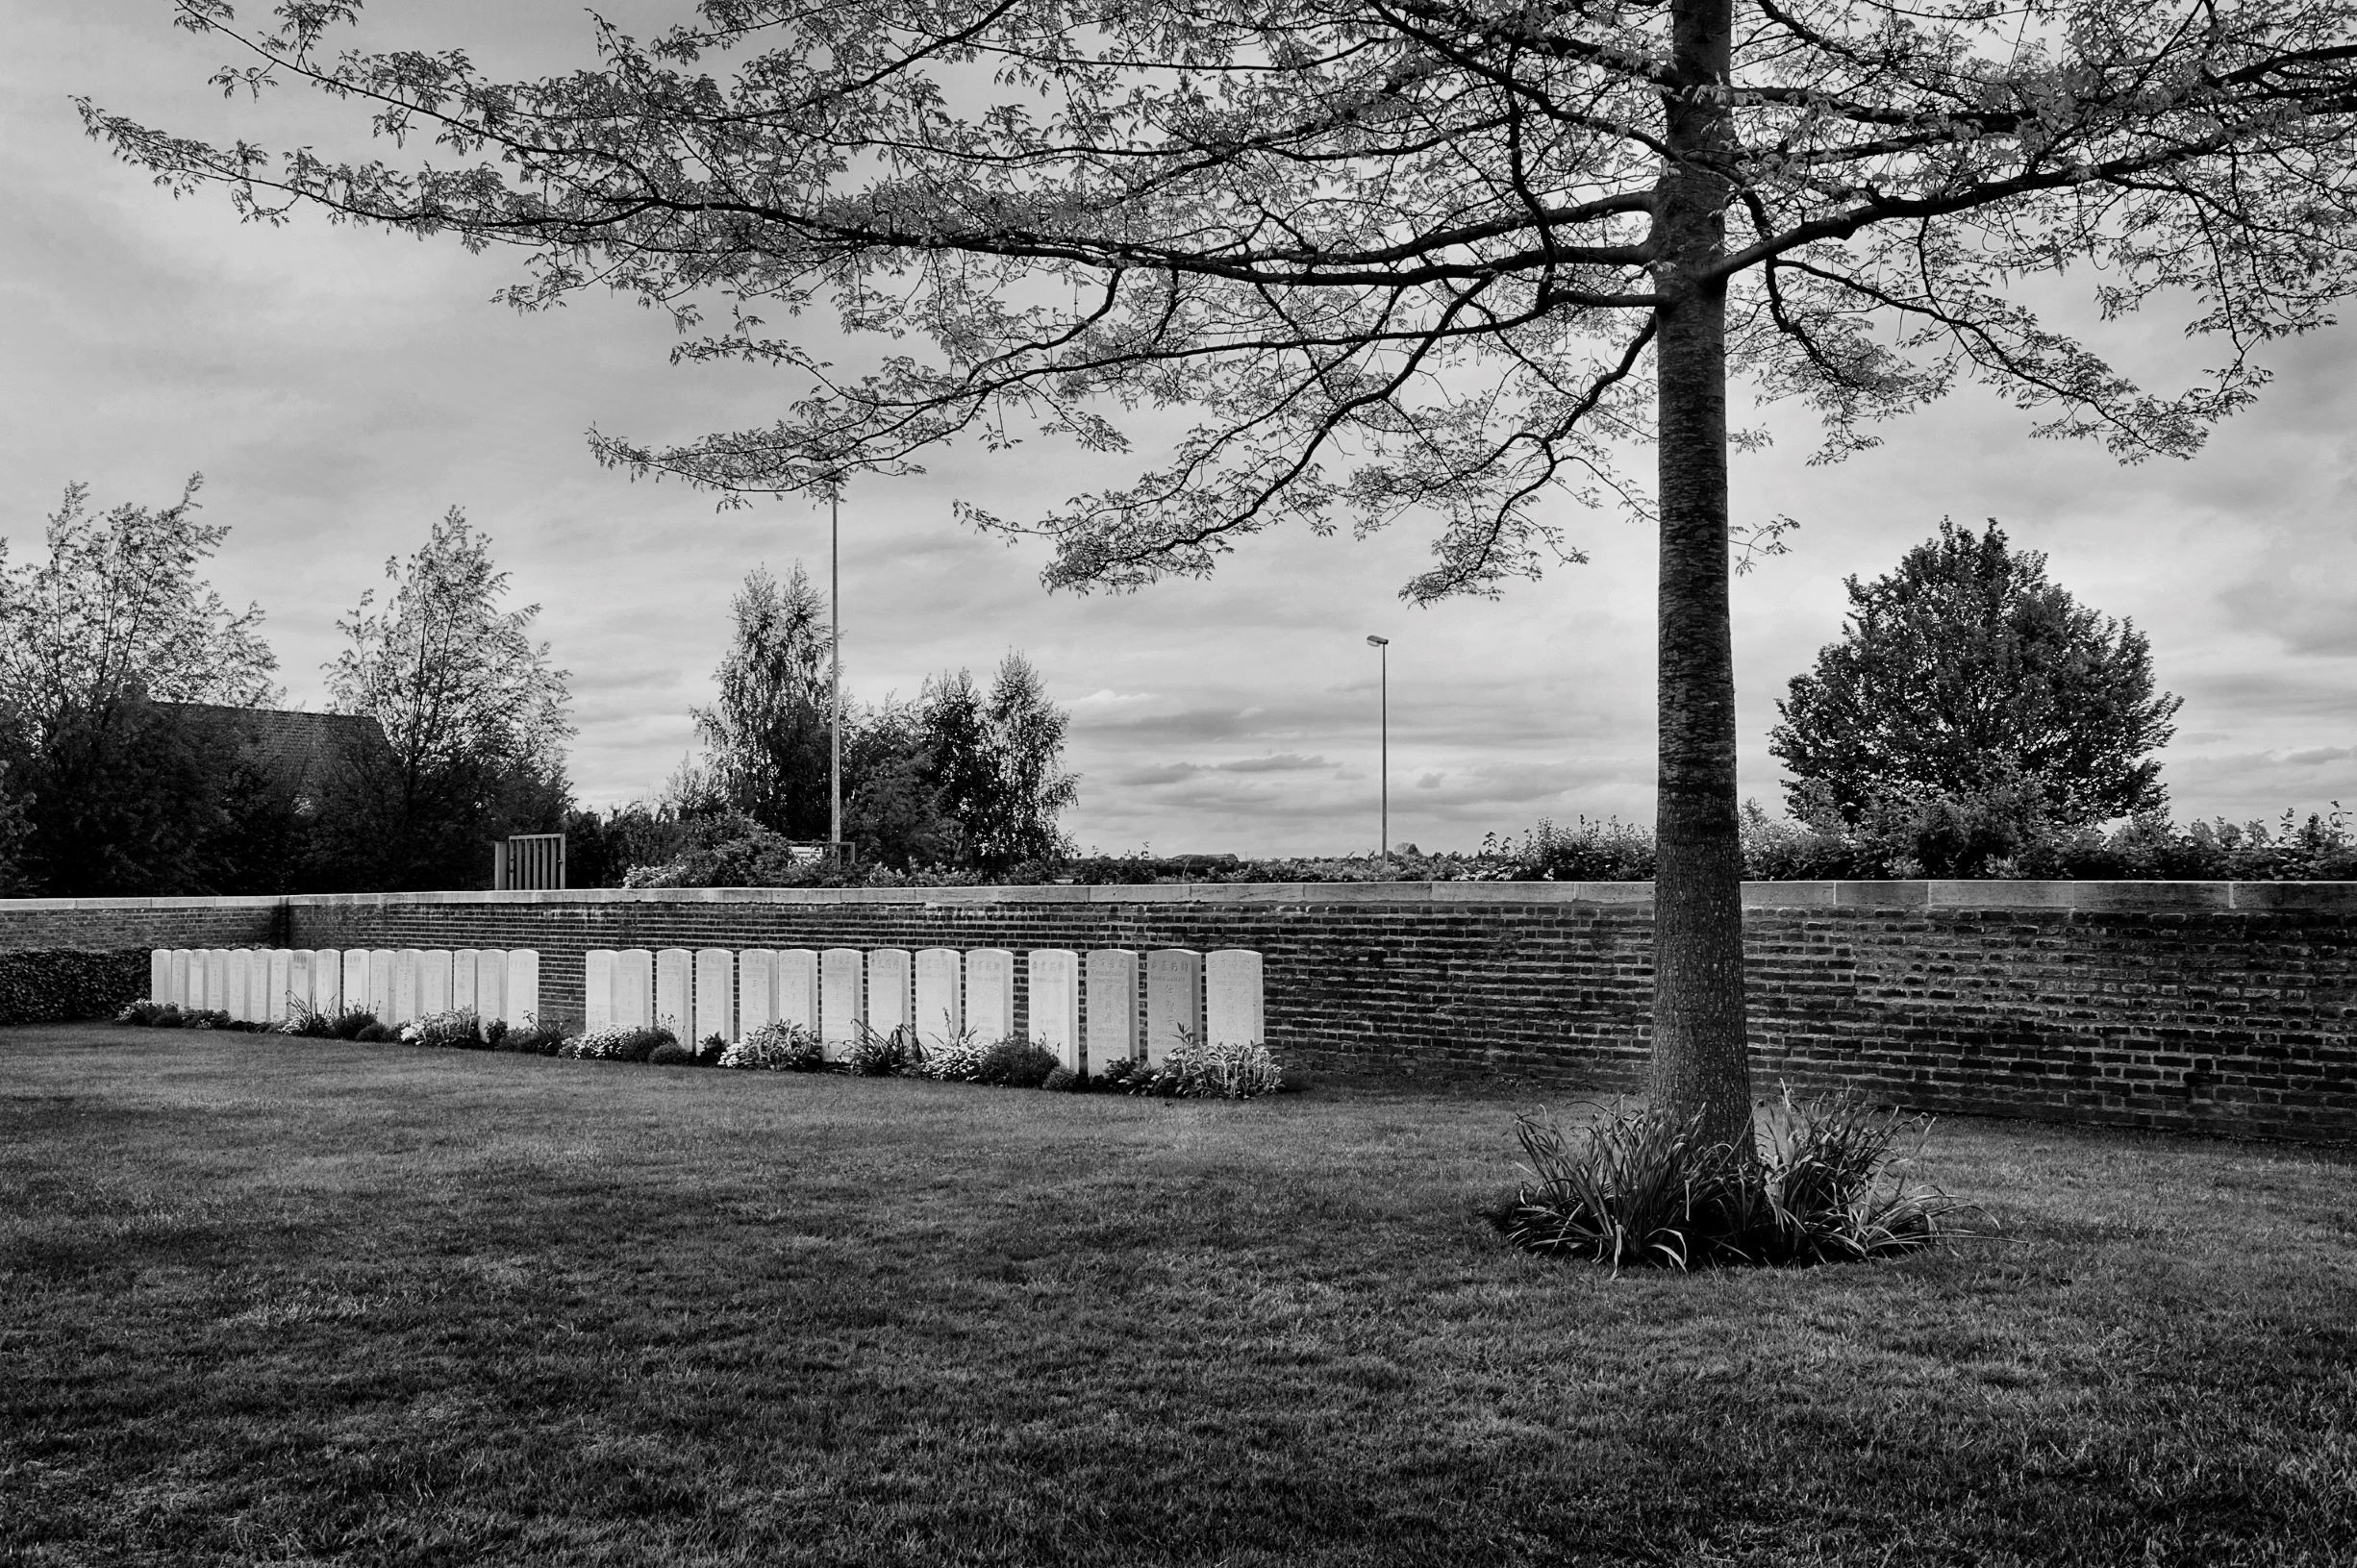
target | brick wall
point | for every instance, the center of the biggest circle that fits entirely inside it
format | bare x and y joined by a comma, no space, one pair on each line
124,922
2228,1007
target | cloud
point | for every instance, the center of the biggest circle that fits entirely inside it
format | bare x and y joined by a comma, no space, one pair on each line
1281,762
1172,772
2308,618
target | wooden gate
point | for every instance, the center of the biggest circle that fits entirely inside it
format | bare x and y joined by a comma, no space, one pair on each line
529,860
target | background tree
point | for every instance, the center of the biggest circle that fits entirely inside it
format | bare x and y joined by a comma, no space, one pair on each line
116,794
1014,820
472,711
987,767
1396,257
962,778
1966,684
766,737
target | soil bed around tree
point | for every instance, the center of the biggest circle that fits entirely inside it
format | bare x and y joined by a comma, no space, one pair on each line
318,1301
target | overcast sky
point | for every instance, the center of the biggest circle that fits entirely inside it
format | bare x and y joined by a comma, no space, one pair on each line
341,388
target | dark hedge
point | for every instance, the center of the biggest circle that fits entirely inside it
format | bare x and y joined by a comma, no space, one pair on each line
56,984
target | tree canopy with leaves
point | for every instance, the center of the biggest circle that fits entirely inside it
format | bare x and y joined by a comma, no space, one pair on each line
117,606
767,733
107,787
1963,674
995,761
471,707
1430,259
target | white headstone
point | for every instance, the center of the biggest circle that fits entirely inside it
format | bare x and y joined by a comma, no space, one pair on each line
462,971
257,985
840,1014
941,996
598,971
356,985
1111,990
216,980
241,984
491,985
797,988
756,989
989,993
407,962
434,968
1052,980
715,994
381,983
521,999
675,991
891,995
1232,998
1173,1000
327,981
160,975
186,972
633,987
276,966
291,983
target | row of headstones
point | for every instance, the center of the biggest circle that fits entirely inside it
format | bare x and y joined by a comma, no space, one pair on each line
264,985
939,994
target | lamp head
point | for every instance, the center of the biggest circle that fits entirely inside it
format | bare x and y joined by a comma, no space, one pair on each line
1378,642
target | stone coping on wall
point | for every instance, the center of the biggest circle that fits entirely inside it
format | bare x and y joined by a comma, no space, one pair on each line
2059,897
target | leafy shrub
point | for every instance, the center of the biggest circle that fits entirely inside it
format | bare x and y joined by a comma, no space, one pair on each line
533,1040
884,1055
1015,1063
1200,1070
1641,1188
671,1054
304,1021
60,985
1063,1080
710,1050
777,1048
150,1013
641,1044
354,1023
372,1029
957,1059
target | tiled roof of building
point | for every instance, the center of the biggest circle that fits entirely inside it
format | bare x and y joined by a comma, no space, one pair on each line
295,746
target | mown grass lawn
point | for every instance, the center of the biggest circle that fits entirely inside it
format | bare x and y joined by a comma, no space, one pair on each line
276,1301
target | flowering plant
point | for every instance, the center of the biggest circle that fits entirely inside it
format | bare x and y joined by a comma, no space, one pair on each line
777,1048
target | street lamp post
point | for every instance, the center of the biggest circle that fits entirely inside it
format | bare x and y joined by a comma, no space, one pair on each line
1382,655
835,661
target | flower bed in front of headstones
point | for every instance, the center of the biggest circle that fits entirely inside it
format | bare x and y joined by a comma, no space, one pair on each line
1192,1069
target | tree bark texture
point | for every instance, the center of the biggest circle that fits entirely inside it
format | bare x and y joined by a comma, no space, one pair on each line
1698,1063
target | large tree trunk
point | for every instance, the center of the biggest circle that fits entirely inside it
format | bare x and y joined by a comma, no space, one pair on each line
1698,1064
